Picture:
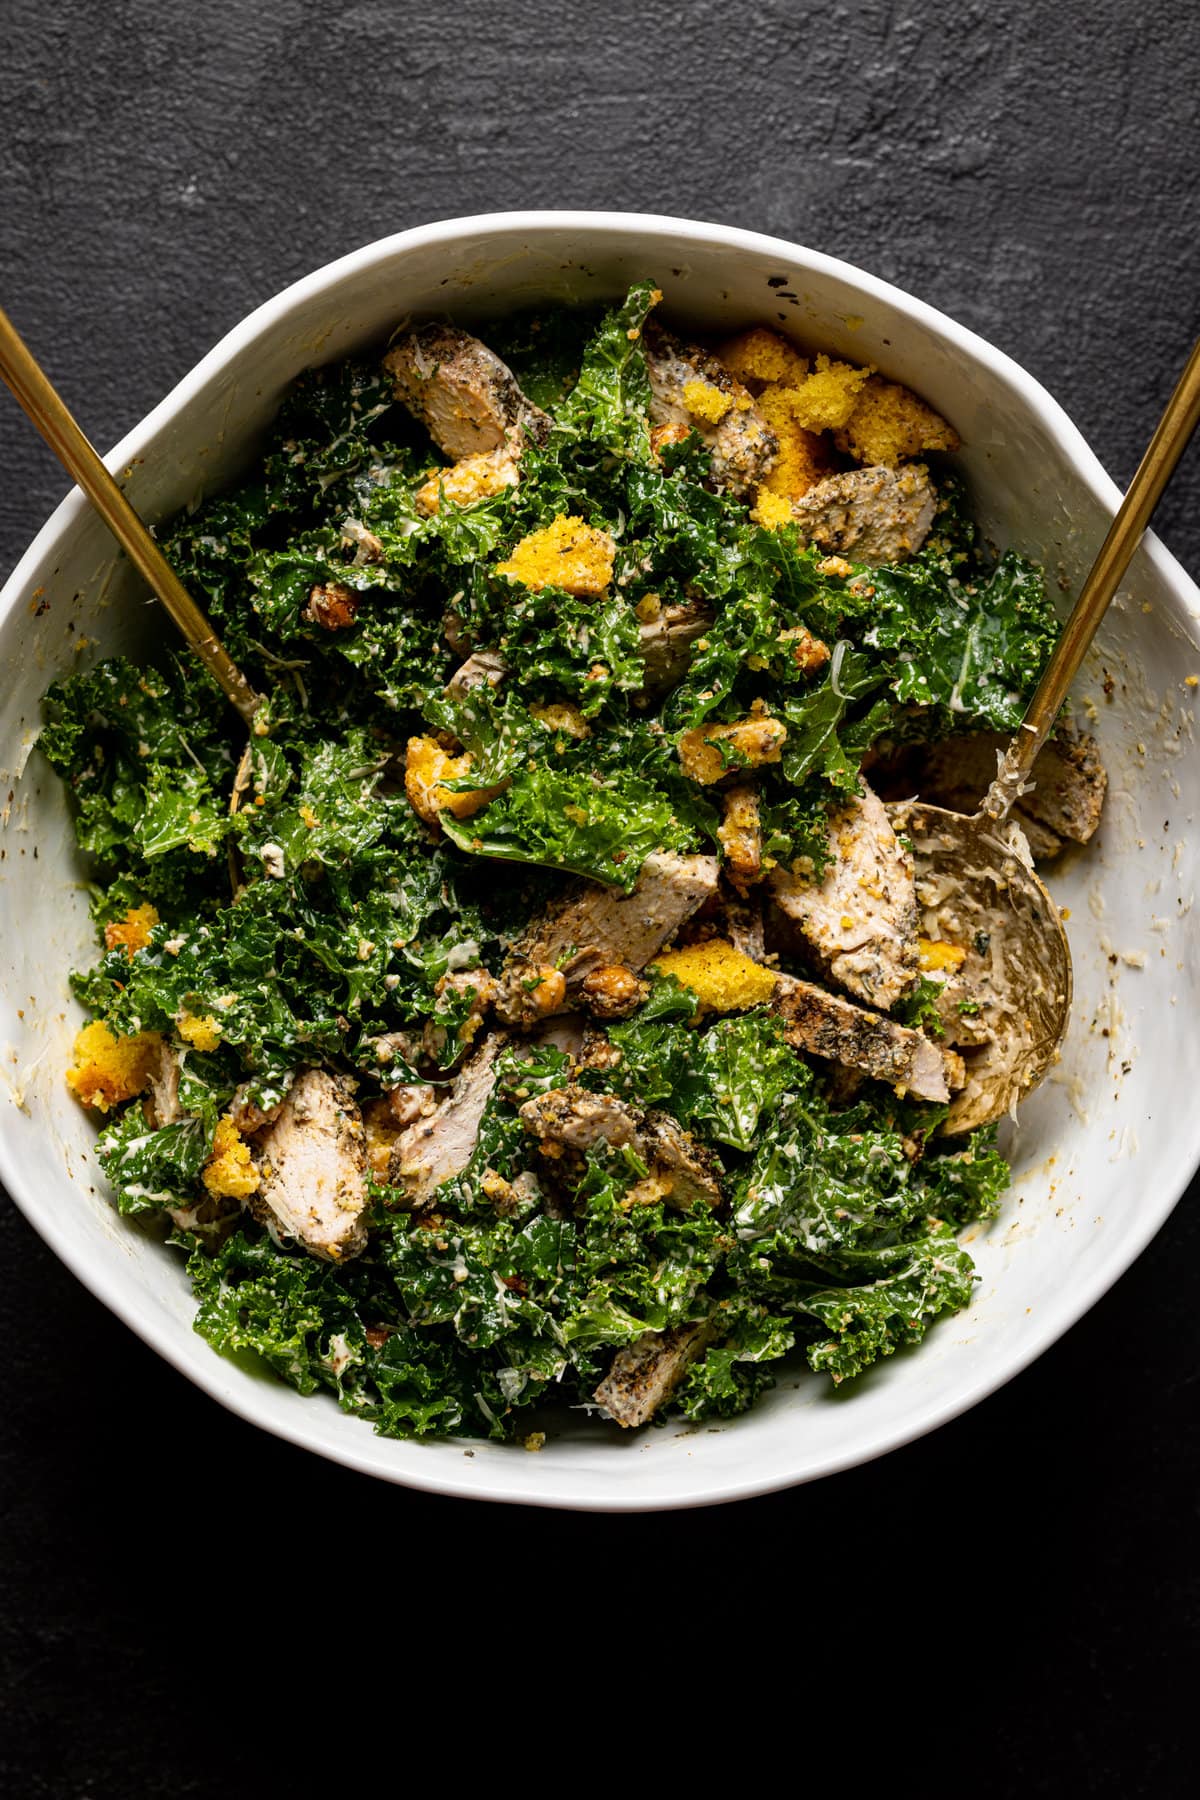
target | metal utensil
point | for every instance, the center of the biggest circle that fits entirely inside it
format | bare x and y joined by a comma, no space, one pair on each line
45,406
973,871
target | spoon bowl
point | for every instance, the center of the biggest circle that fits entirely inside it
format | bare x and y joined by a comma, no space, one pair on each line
1007,1006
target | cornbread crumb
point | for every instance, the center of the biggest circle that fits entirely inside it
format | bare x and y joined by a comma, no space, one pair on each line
470,479
936,956
722,978
889,424
202,1033
804,458
706,402
759,355
229,1172
568,553
826,400
109,1069
426,767
771,510
561,717
132,931
711,751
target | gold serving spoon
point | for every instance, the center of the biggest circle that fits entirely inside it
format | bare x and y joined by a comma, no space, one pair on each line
973,872
45,406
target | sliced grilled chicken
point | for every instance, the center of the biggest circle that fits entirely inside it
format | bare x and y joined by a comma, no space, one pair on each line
823,1024
1065,801
740,833
573,1118
467,399
439,1146
861,917
870,515
312,1161
690,388
647,1372
667,643
596,927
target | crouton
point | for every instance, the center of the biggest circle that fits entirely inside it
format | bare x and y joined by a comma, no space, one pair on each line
331,605
202,1033
568,554
722,979
426,767
470,479
110,1069
759,356
804,458
705,402
890,425
229,1172
934,957
612,991
560,717
826,398
740,835
132,930
711,751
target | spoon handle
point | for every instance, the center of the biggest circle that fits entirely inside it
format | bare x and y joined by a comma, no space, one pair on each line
28,381
1145,490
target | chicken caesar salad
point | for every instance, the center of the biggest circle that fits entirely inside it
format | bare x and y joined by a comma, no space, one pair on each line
543,1009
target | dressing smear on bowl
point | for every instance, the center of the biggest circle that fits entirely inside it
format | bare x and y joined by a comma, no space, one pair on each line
547,1014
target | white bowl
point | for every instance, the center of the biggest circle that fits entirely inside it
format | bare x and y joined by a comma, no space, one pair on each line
1103,1150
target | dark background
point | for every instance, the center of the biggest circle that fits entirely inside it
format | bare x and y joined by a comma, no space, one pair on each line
1032,171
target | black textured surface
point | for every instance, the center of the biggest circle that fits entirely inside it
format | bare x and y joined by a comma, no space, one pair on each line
1031,170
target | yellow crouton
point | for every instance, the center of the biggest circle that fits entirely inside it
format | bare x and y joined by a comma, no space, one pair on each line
706,402
110,1069
229,1172
889,424
568,554
426,767
468,480
759,356
562,718
711,751
937,956
826,398
722,978
771,510
133,930
803,459
202,1033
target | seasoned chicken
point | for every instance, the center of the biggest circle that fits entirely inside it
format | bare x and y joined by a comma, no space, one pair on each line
689,387
312,1162
870,515
573,1118
438,1146
861,918
595,927
645,1373
482,668
667,642
467,399
1065,801
823,1024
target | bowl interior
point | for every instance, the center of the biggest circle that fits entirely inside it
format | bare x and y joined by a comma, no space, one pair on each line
1103,1148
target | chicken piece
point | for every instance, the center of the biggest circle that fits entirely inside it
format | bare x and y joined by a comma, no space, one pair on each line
573,1118
890,425
742,925
688,386
482,668
823,1024
872,515
1065,801
740,834
438,1146
711,752
470,479
595,927
312,1162
667,643
468,400
162,1102
861,918
528,992
645,1373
